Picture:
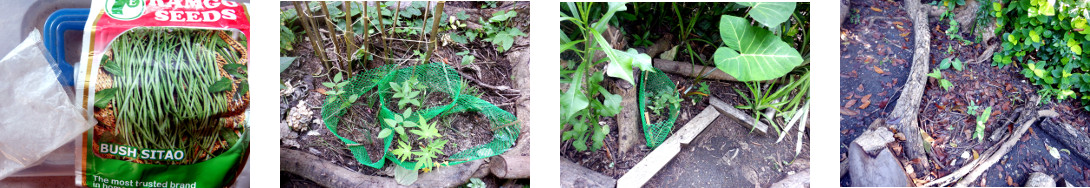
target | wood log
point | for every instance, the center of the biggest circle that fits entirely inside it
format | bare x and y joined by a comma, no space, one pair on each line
628,121
732,112
1074,139
331,175
573,175
521,59
800,179
663,154
691,70
908,105
510,166
326,173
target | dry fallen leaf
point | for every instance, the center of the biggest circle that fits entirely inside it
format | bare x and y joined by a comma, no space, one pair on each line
976,155
849,112
875,9
904,34
321,90
878,70
850,104
1010,182
866,102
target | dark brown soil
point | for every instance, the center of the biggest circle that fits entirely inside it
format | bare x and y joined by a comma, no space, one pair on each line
711,160
878,70
723,133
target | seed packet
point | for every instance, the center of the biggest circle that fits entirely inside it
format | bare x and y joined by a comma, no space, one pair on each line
165,84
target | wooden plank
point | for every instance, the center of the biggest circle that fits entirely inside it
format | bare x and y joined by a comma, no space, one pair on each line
650,165
730,111
573,175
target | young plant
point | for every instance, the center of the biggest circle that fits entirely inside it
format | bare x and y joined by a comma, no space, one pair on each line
585,100
980,121
495,30
700,93
663,101
335,86
476,183
945,64
753,54
398,124
644,40
408,92
466,57
945,84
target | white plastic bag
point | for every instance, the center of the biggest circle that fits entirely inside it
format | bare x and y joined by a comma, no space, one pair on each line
36,114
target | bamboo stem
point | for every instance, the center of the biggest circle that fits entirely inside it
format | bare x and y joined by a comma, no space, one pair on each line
385,45
309,29
332,32
434,31
349,36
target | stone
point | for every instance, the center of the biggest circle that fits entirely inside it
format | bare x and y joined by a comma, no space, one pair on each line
872,141
881,170
1038,179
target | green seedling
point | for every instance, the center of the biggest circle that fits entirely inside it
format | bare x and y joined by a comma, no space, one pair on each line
980,121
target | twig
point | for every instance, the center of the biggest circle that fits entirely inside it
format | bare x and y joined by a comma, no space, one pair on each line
971,171
482,84
802,129
986,55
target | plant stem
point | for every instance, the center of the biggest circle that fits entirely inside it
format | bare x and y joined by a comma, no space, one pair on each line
332,33
311,32
349,37
433,44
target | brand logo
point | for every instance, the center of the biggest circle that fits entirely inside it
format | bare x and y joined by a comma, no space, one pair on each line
125,9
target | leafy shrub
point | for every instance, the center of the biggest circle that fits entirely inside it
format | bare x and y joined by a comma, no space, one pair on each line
1047,39
585,100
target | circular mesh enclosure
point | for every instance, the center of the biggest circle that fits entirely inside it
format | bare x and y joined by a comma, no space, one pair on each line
439,78
653,84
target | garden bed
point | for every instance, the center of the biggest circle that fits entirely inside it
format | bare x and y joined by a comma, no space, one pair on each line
874,72
707,161
304,78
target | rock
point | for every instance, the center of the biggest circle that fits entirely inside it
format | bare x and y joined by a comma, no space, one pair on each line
1038,179
314,151
800,179
289,143
299,117
873,140
313,133
286,133
844,10
881,170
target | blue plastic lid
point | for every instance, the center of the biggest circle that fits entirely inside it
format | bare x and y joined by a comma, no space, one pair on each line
56,25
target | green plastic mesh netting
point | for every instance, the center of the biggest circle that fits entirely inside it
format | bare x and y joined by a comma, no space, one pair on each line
439,79
652,84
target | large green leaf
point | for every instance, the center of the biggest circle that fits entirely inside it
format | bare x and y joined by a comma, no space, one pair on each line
285,62
770,14
573,100
760,55
621,62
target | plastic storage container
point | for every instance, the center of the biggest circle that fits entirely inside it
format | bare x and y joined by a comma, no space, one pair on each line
58,23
